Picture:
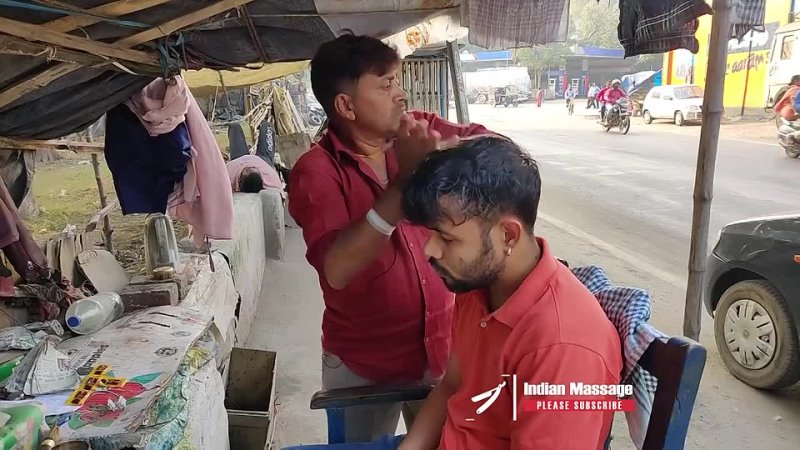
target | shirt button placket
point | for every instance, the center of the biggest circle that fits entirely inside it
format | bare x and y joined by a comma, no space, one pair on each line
483,323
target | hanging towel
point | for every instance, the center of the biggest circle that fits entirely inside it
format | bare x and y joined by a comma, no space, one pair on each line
145,168
204,200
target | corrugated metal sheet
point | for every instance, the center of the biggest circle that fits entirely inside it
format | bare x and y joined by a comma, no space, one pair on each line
425,82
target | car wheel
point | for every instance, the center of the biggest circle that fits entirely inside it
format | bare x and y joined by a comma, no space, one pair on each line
756,336
648,119
679,118
482,98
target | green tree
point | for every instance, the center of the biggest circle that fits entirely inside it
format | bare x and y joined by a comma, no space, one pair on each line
594,23
540,58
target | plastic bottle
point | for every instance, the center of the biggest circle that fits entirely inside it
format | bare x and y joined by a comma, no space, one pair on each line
91,314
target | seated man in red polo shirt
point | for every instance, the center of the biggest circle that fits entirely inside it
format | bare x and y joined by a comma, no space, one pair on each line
518,311
387,315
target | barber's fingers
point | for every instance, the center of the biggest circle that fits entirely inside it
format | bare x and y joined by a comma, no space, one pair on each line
406,124
450,142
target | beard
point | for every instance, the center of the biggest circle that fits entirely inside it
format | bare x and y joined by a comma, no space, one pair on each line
476,275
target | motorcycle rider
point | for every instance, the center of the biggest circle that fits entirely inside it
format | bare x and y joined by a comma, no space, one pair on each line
612,95
784,106
600,97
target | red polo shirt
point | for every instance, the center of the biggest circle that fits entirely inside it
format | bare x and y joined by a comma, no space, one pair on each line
393,321
552,329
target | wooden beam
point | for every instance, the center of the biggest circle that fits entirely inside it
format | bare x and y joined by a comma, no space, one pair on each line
52,32
118,8
56,144
10,45
169,27
37,81
38,33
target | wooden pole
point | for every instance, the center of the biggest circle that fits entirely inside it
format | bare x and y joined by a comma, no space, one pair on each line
454,60
747,74
706,159
103,203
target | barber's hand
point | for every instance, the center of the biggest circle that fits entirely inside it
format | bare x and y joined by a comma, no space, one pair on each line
414,142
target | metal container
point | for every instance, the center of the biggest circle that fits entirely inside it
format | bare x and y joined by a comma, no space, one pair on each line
250,399
160,244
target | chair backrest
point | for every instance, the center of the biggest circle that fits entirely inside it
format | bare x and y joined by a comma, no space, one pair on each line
678,364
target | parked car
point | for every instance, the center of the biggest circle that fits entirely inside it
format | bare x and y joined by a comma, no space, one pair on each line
753,292
680,103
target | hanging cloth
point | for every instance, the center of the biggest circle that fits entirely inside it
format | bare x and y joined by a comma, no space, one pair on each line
204,199
659,26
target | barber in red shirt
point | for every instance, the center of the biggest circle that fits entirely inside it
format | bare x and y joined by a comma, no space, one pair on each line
518,311
387,315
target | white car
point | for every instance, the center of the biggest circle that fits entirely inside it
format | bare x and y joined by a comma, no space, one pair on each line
680,103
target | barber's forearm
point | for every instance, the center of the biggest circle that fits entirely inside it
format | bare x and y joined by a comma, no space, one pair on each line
426,431
360,243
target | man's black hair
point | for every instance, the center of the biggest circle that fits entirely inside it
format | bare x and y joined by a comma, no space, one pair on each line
482,177
795,79
251,182
344,60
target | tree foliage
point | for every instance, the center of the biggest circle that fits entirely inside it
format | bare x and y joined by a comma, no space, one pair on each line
592,23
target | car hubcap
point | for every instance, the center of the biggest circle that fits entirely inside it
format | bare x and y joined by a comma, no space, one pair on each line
750,334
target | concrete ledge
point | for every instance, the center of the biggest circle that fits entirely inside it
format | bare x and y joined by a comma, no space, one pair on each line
214,293
274,225
247,257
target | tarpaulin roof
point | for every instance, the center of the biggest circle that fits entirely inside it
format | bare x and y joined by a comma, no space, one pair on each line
64,63
206,82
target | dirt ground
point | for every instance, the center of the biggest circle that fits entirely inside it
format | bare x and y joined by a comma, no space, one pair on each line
66,193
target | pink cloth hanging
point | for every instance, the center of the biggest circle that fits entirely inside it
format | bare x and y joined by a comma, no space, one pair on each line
204,200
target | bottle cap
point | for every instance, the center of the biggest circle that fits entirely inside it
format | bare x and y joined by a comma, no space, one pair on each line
164,273
73,321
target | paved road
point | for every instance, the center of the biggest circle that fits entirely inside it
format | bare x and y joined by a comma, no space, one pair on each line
625,202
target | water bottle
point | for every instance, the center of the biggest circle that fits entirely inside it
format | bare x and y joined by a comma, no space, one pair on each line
91,314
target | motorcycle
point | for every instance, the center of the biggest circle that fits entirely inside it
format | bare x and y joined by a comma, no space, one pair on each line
789,137
619,116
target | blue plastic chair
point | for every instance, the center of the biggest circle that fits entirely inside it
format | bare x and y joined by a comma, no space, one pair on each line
678,364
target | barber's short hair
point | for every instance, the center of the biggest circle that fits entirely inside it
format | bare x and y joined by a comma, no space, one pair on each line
251,182
485,177
344,60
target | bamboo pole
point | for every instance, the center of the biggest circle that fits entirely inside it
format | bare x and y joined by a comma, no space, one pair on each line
101,190
706,159
454,60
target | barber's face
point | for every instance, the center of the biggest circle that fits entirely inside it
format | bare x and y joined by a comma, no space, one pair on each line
378,103
467,256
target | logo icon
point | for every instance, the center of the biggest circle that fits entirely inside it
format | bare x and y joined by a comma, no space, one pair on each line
491,394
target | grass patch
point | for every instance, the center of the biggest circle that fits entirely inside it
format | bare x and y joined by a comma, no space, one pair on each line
66,193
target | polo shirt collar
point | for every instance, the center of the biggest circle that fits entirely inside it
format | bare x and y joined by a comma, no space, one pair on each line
334,145
531,290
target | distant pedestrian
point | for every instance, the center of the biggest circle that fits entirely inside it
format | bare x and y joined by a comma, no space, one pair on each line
591,102
539,98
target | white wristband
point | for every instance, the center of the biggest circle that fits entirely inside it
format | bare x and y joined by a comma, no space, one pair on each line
379,223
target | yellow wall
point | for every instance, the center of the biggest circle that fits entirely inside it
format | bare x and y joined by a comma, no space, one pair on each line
737,71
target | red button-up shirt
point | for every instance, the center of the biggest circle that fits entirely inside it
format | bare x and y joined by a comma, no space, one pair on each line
551,330
393,321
